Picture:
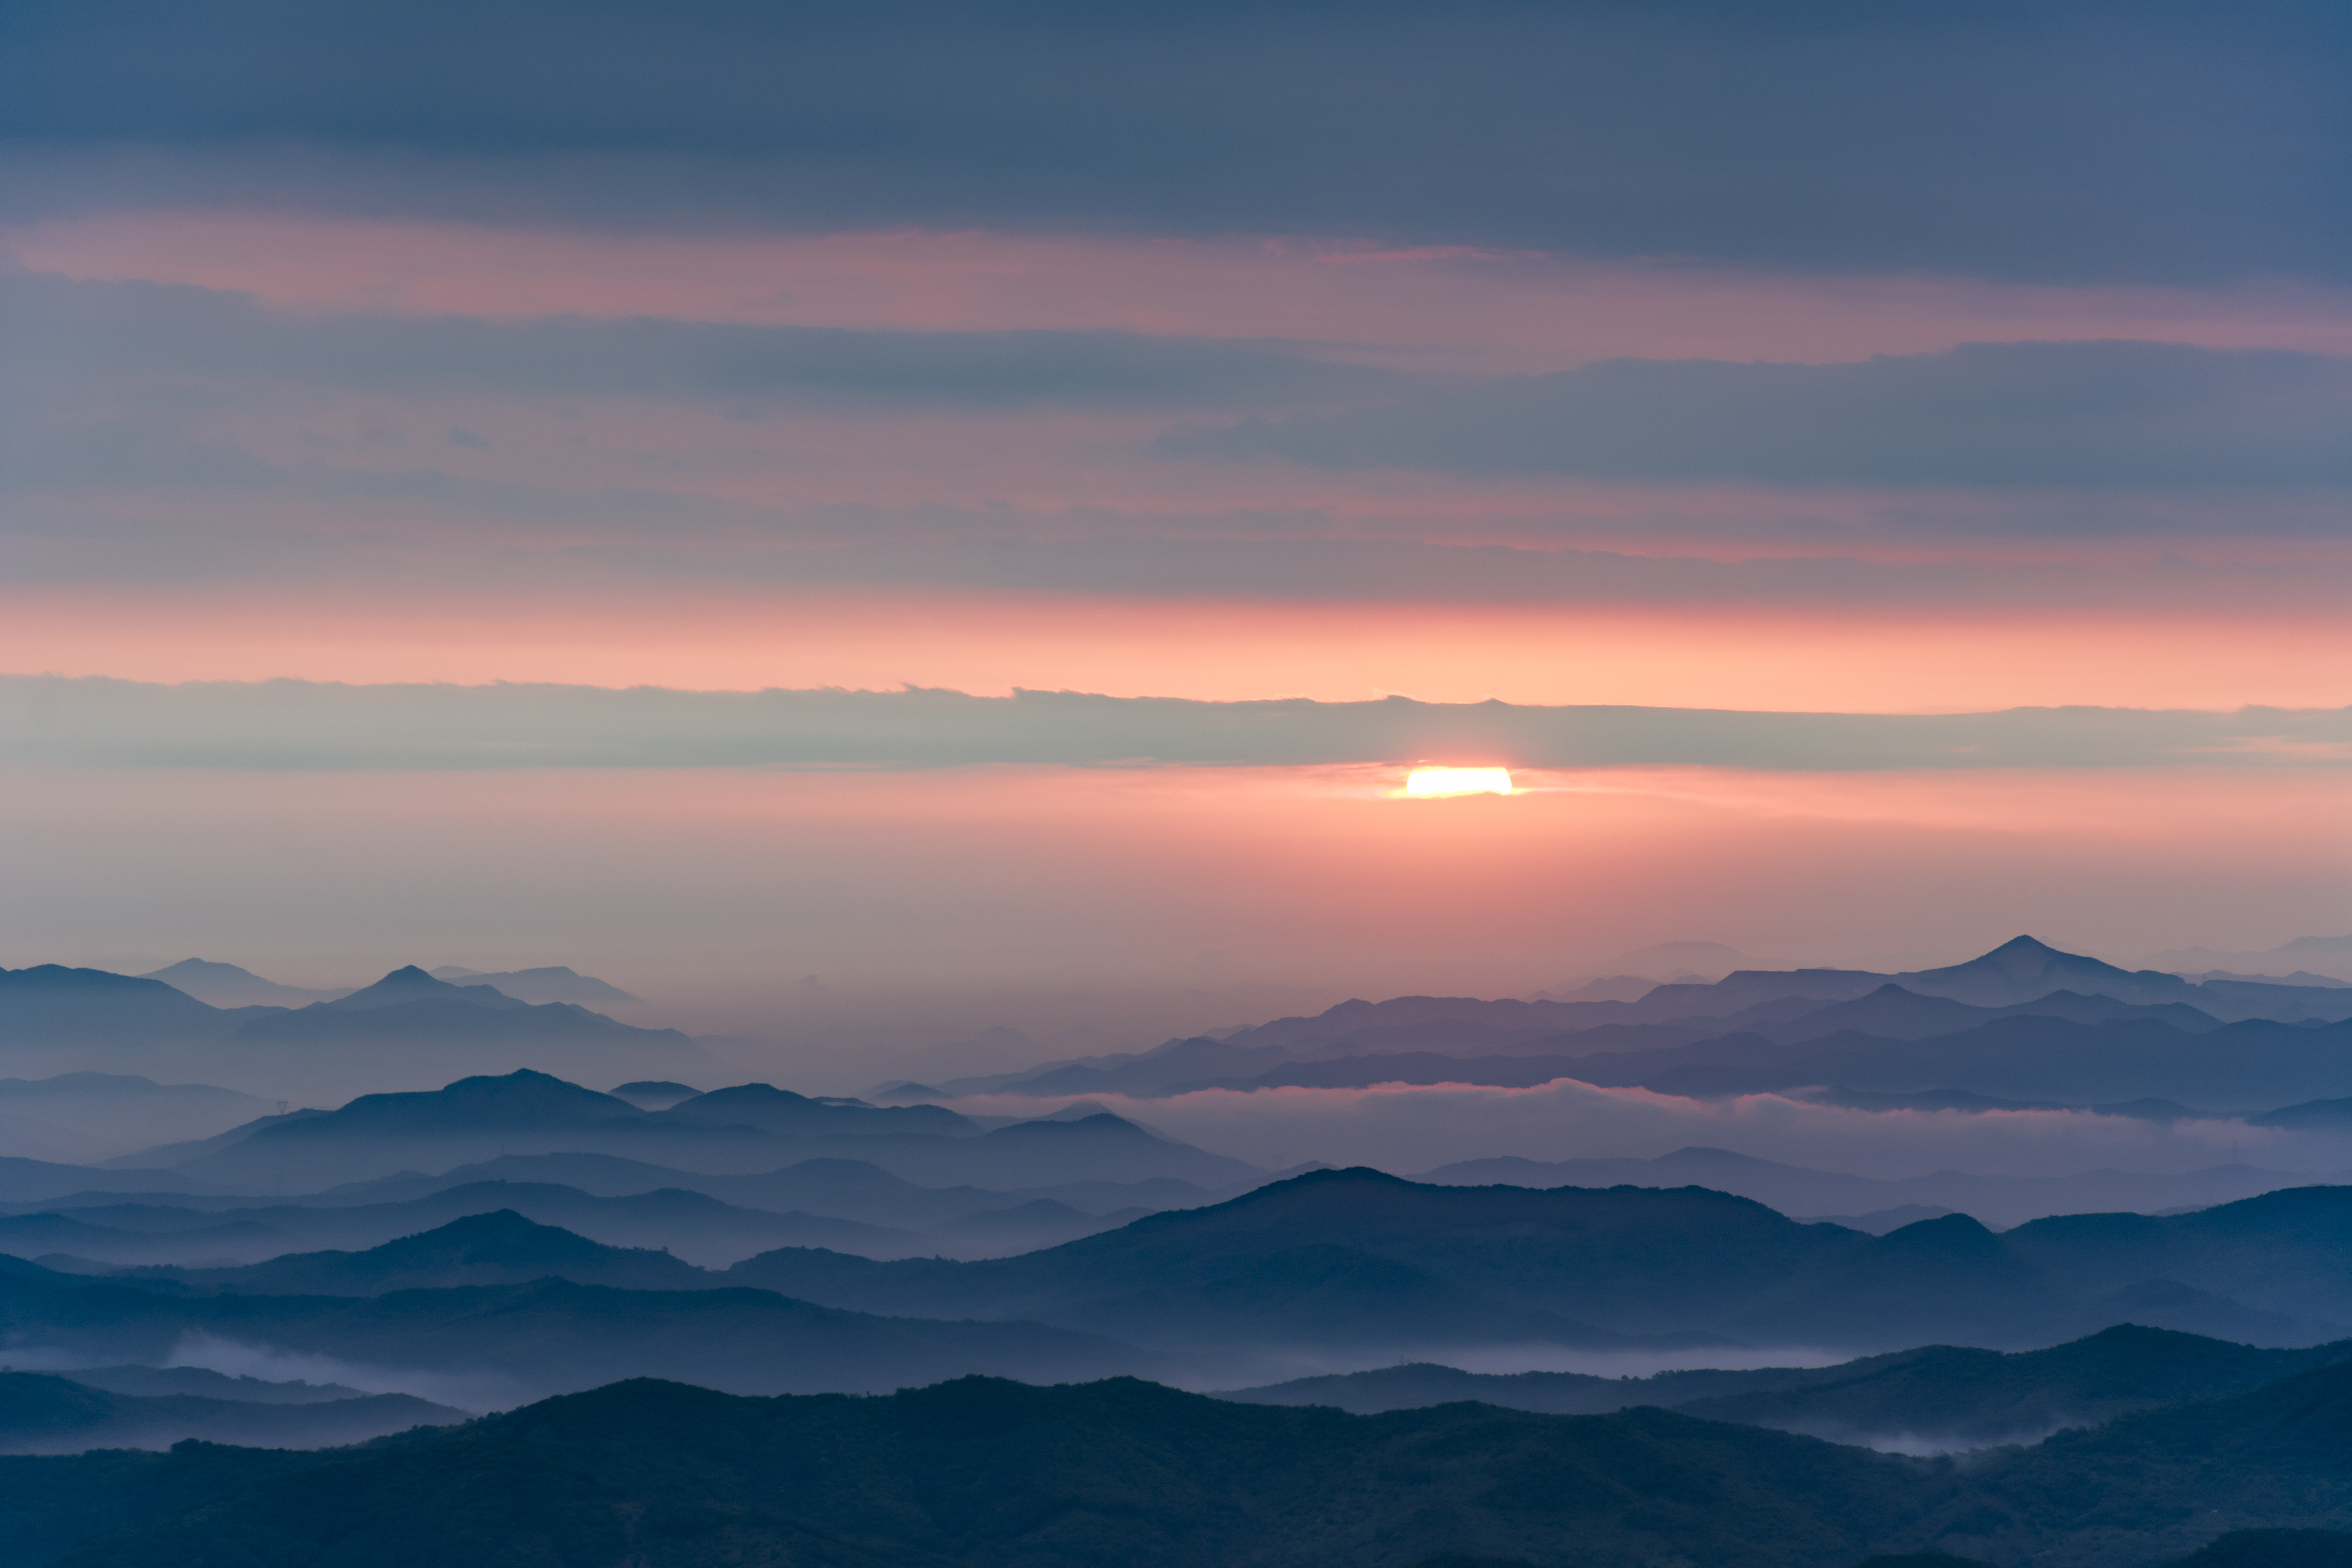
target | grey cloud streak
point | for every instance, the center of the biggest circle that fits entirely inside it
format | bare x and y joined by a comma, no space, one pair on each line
2043,413
298,724
60,328
2085,139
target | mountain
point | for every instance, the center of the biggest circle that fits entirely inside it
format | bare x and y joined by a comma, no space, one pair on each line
2329,955
1365,1261
44,1414
790,1115
991,1474
26,1181
654,1094
2272,1549
148,1381
552,983
482,1118
497,1248
1935,1397
2316,1115
830,1186
981,1473
444,1126
693,1226
49,1005
494,1346
2254,1063
227,986
1946,1396
1998,1201
2021,979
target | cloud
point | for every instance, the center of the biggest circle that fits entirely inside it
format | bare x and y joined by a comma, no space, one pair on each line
2050,414
301,724
2087,140
60,329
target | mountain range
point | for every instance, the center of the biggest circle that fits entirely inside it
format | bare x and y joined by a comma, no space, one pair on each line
1935,1398
745,1128
988,1474
45,1413
2024,1020
1360,1260
407,1022
1875,1203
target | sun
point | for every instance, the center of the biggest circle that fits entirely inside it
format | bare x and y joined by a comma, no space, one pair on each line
1426,783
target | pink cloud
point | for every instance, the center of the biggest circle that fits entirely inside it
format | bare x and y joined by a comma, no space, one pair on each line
1438,307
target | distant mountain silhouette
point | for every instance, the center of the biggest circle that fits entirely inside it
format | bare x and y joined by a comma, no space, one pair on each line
2244,1065
2329,955
698,1229
43,1413
227,986
844,1188
549,1335
41,1181
1793,1190
496,1248
654,1094
551,983
50,1004
1938,1395
1311,1261
2021,979
2316,1115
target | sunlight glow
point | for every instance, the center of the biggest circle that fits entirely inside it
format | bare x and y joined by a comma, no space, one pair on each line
1427,783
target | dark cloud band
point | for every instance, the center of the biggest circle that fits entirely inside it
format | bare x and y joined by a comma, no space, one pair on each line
2096,138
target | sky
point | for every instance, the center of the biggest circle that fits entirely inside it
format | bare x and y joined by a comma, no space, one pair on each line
920,517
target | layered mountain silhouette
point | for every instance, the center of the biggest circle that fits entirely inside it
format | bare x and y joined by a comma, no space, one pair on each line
694,1225
1938,1396
55,1415
509,1341
1859,1201
405,1024
988,1472
551,983
746,1129
2023,991
1361,1258
50,1004
227,986
500,1248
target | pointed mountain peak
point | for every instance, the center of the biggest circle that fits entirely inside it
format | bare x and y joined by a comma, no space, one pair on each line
2026,945
410,983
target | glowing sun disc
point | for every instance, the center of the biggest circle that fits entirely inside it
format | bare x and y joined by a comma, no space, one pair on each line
1429,782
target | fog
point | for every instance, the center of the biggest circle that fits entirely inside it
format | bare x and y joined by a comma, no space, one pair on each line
1408,1129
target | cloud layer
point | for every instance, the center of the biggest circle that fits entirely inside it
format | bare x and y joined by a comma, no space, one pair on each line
1983,414
300,724
1407,1130
2087,140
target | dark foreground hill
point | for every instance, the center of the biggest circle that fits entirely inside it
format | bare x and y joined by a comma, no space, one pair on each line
984,1474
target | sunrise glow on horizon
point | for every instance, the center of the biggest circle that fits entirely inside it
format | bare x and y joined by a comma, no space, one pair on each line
1429,783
